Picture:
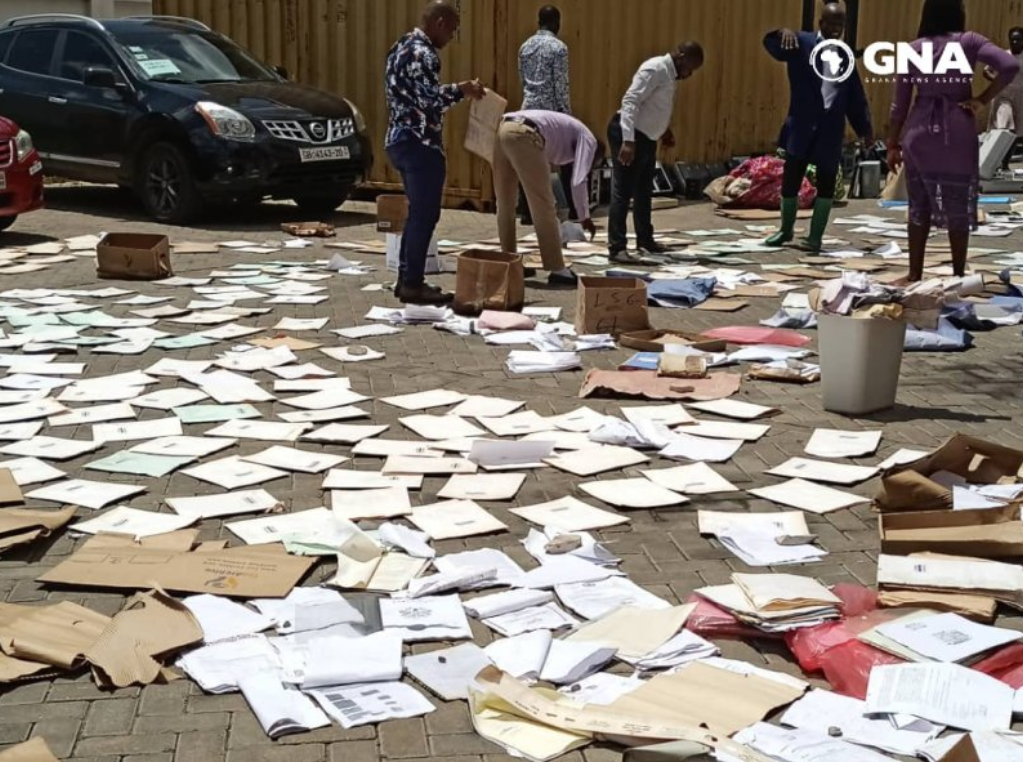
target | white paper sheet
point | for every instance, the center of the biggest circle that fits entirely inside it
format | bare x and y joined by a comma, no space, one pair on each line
233,473
31,471
449,672
281,711
700,449
727,430
370,659
218,667
823,471
341,433
506,602
438,617
570,661
944,693
632,493
346,479
455,518
294,459
947,637
135,430
356,705
834,443
693,479
211,506
593,600
383,503
134,522
222,619
88,494
730,408
491,454
425,400
801,746
547,616
517,424
476,406
570,515
598,460
49,448
482,487
666,415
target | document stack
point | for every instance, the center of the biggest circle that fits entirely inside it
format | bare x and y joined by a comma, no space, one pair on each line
775,602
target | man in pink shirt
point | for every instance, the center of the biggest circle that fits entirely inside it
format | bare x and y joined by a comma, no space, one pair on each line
528,144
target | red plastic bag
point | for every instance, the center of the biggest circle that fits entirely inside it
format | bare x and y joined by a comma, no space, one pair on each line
754,334
847,667
859,612
1005,665
765,174
710,621
856,599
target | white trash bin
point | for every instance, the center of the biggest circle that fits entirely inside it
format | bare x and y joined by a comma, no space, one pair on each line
861,360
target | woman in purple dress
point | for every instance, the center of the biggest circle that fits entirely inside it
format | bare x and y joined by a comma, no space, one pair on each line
937,137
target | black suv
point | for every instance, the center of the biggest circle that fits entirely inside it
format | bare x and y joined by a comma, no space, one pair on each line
177,112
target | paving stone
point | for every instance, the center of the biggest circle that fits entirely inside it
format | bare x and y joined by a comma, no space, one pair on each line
110,718
450,718
402,739
353,751
313,752
31,693
456,745
201,746
15,714
166,699
139,743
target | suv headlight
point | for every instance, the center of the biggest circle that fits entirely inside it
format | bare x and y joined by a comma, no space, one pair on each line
357,118
23,145
225,122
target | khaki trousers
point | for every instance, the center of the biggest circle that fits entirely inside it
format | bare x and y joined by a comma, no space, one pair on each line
519,158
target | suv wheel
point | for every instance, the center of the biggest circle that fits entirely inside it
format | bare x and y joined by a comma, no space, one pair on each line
166,185
322,204
6,222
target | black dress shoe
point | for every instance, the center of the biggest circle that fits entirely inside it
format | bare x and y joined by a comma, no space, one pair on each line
566,281
424,294
529,272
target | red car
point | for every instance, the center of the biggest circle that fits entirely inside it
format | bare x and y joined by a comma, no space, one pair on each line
21,174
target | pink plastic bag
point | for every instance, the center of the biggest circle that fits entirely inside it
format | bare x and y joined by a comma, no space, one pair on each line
847,667
754,334
1005,665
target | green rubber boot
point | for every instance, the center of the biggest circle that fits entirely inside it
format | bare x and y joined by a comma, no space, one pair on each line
818,225
789,210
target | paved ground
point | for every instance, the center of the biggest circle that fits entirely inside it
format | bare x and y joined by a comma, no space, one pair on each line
976,393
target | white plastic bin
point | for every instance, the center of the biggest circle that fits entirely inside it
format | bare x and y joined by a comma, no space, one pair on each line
860,363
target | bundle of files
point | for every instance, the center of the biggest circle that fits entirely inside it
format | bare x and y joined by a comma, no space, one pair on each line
775,602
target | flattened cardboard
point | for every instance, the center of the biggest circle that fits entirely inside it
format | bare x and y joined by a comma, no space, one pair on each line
644,384
56,635
656,341
979,461
21,525
392,212
987,533
611,305
646,722
151,625
975,607
246,572
33,750
964,751
10,492
133,256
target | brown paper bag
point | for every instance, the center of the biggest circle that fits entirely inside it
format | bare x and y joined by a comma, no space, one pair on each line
611,305
895,189
133,256
489,280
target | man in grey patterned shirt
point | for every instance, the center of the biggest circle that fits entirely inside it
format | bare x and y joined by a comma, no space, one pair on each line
543,69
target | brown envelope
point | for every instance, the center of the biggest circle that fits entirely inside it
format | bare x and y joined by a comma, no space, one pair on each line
975,607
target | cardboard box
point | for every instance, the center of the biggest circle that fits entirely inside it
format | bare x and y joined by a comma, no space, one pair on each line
489,280
133,256
656,340
393,254
976,460
392,212
611,305
988,533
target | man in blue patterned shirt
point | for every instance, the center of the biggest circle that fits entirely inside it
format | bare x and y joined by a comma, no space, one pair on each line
417,102
543,69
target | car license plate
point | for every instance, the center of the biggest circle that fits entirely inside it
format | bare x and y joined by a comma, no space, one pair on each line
333,153
3,181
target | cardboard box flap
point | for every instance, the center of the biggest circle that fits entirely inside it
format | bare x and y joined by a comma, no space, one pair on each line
10,492
977,460
34,750
14,670
183,540
964,751
57,635
152,624
229,572
975,607
657,340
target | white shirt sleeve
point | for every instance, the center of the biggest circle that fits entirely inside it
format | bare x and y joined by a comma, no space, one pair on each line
638,91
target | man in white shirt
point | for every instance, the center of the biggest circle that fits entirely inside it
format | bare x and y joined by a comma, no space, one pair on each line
645,118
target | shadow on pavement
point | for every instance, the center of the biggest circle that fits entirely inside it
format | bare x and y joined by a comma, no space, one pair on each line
112,202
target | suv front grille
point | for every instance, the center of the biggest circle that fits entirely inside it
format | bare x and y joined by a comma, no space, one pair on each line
6,153
317,131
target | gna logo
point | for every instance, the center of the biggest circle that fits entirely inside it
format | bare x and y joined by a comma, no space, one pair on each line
834,60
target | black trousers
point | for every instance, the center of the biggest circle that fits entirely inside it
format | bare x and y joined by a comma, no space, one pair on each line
565,175
795,171
635,184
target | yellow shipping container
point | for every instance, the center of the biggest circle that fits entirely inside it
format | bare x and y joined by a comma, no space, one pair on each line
734,105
